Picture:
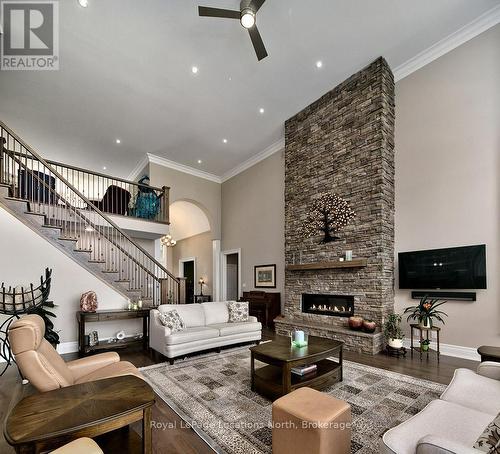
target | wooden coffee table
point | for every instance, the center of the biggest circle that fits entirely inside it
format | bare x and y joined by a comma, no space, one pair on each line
276,379
46,421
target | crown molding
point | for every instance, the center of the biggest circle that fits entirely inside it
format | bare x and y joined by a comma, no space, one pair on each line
152,158
137,169
270,150
479,25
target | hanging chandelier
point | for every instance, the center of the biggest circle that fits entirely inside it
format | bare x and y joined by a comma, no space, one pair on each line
167,241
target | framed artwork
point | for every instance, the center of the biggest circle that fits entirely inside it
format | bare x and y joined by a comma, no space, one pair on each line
265,276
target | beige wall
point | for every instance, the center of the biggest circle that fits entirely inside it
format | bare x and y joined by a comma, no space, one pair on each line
206,194
200,247
253,218
448,173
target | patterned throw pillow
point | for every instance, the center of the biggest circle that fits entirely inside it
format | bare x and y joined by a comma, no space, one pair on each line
172,320
489,441
238,311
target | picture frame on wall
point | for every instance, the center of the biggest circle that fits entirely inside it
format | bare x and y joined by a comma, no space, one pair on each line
265,276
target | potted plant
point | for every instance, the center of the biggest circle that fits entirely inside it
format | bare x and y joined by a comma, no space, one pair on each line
425,312
392,331
424,345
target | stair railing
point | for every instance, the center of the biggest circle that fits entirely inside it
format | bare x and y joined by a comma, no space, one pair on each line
33,179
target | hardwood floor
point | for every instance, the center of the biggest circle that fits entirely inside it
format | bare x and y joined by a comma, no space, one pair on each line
174,437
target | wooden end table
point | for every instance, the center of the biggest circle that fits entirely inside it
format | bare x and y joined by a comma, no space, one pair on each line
423,333
46,421
489,353
276,379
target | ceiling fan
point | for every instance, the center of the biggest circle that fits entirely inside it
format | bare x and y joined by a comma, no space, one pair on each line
247,17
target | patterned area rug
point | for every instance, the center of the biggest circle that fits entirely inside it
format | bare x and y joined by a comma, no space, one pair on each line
212,394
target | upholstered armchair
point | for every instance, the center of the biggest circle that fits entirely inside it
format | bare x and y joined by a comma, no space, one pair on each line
40,363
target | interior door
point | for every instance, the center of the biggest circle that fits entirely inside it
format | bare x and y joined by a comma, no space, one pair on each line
232,277
188,268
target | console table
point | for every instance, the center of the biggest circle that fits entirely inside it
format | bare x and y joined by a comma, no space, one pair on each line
109,315
266,306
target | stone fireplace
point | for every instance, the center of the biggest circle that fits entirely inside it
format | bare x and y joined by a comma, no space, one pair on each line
343,143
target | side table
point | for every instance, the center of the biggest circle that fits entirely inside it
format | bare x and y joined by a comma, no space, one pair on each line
46,421
423,333
489,353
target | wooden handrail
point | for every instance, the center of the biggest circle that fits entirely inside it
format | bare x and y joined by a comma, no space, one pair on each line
86,200
90,172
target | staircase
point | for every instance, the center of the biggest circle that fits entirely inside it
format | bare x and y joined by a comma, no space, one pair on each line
37,193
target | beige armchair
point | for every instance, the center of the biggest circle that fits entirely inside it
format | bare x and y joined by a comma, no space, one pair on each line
40,363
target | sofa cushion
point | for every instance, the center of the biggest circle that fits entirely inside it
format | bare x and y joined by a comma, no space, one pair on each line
215,312
191,335
474,391
226,329
446,419
171,319
238,311
489,441
192,314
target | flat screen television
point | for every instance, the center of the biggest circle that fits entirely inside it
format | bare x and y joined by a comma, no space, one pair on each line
451,268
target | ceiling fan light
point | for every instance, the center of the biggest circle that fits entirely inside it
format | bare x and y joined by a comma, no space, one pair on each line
247,18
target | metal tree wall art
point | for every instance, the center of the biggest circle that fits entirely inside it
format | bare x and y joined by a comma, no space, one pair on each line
328,214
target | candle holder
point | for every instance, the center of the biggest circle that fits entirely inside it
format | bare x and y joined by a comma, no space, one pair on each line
299,339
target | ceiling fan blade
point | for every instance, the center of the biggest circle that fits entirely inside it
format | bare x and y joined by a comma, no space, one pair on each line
256,4
257,42
218,12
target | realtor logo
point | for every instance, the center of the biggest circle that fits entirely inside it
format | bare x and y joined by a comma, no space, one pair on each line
30,38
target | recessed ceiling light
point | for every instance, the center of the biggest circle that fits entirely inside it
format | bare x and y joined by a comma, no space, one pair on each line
194,69
118,141
104,168
83,3
199,161
224,140
261,110
319,64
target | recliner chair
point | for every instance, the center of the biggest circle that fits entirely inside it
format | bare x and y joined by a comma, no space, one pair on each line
40,363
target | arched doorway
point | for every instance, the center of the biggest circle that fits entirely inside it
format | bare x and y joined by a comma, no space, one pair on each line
192,256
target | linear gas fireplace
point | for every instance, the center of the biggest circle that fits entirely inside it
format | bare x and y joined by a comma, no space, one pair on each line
334,305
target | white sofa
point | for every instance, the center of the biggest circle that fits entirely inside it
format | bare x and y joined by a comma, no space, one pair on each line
207,326
452,423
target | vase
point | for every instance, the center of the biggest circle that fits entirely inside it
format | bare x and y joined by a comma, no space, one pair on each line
355,323
369,326
427,323
396,343
424,347
88,302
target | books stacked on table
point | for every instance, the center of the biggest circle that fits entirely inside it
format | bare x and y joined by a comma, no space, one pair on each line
305,369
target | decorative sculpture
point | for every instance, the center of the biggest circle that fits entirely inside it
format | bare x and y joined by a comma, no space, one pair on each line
328,214
88,302
16,301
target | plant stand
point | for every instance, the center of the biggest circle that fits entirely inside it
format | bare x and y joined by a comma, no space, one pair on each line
397,352
423,333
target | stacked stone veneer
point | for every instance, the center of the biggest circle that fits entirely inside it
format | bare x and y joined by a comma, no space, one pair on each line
343,143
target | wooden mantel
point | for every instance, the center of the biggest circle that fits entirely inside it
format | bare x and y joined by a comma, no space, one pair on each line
354,263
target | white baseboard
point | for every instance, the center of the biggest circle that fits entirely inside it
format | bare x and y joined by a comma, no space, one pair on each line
452,350
67,347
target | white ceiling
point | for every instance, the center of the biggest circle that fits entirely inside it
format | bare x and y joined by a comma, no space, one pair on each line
126,73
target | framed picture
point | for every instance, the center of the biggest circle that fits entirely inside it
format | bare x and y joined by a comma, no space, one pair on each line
265,276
